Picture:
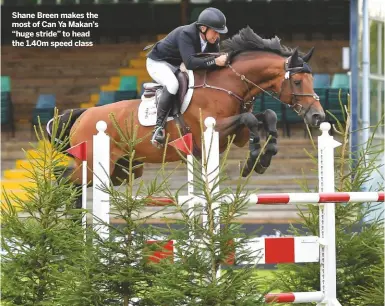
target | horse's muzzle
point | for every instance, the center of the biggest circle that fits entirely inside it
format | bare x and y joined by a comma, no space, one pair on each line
315,118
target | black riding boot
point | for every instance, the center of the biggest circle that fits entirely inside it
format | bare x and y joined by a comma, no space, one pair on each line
164,106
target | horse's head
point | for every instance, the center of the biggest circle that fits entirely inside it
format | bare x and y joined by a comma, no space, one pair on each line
297,89
295,85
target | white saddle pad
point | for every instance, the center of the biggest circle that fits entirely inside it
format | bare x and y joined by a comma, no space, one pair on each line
147,107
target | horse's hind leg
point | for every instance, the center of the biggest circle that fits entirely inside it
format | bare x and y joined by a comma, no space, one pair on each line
121,171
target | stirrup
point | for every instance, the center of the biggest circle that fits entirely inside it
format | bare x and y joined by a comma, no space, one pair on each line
159,133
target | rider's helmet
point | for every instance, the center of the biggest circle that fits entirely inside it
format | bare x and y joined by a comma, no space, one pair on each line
213,18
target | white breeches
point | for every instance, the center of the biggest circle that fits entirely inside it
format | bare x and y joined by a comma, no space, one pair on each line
162,73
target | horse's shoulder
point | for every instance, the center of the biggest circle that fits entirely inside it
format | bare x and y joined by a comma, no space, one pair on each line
199,73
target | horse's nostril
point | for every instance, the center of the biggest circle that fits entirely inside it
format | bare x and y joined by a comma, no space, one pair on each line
318,117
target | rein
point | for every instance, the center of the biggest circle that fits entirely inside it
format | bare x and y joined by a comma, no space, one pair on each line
245,105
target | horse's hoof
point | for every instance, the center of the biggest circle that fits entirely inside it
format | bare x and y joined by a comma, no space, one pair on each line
271,148
264,163
260,169
244,170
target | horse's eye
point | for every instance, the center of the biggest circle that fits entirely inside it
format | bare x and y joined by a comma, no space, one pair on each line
297,82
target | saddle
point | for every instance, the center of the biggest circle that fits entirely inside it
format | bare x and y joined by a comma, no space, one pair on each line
147,110
155,89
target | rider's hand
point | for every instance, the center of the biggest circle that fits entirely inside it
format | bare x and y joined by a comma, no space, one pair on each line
221,60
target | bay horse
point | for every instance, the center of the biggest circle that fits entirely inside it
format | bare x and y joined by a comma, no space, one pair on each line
226,94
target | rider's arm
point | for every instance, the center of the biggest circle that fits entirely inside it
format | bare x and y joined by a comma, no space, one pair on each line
187,51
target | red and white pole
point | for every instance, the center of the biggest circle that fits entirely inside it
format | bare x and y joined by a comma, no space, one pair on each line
322,197
294,297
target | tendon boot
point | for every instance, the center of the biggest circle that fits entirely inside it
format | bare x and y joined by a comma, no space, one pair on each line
255,149
164,107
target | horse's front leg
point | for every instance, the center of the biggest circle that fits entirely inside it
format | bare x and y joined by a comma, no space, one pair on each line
251,122
236,125
269,119
260,161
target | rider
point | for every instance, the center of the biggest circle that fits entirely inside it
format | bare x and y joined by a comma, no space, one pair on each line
181,46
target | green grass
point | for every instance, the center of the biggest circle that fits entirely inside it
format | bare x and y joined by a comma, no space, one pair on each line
269,274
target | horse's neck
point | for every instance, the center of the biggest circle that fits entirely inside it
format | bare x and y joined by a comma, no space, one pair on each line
264,70
260,68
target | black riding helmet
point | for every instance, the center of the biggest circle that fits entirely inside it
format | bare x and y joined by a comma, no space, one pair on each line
213,18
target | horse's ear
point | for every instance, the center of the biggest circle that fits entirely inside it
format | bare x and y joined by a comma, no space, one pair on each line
306,58
294,59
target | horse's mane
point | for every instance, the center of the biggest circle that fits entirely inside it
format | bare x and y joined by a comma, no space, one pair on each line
247,40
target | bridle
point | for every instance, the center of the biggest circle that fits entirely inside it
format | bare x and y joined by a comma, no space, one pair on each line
295,105
245,105
294,102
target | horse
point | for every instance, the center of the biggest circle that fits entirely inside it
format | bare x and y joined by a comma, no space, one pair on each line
255,65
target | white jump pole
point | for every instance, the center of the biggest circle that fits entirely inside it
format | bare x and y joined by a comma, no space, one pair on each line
190,187
190,175
210,170
101,179
328,270
84,193
210,160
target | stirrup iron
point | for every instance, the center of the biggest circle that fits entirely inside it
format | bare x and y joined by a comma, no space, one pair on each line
159,132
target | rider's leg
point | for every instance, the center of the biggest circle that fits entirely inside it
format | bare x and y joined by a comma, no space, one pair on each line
163,74
164,106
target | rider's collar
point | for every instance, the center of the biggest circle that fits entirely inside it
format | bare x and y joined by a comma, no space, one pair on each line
203,43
